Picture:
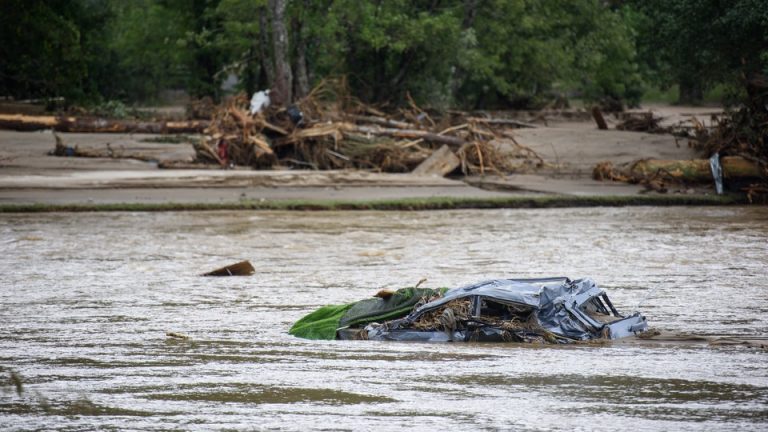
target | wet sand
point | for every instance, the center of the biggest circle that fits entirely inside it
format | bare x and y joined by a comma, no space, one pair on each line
28,175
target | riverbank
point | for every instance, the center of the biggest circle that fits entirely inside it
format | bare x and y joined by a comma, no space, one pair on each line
134,179
403,204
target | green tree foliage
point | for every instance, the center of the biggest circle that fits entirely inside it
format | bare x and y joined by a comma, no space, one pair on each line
397,46
475,53
42,51
471,53
167,44
148,46
605,57
700,43
521,50
239,40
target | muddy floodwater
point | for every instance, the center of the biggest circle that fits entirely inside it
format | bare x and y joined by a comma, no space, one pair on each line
87,299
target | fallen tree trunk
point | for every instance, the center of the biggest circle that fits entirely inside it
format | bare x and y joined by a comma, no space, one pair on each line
407,134
382,121
21,122
698,170
502,122
690,171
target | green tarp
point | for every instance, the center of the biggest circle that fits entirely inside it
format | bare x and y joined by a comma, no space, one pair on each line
320,324
324,322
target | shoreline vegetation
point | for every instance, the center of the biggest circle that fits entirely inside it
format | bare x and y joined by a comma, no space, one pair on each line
404,204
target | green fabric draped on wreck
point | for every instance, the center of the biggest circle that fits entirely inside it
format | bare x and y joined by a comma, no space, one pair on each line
324,322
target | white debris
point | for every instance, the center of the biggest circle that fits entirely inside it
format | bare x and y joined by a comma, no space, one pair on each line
259,101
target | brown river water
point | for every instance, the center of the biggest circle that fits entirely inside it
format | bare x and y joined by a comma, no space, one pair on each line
87,299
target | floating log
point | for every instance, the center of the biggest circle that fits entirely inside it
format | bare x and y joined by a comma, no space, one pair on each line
176,335
599,119
440,163
22,122
243,268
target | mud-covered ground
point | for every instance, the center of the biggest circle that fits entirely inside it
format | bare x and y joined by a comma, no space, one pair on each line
570,148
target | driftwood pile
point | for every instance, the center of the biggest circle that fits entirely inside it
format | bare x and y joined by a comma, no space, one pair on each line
737,137
739,134
659,174
640,122
200,109
646,122
61,149
329,130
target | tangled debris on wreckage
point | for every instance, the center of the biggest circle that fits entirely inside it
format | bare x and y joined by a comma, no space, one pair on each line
545,311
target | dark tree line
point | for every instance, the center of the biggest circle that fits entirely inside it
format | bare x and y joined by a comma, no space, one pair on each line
469,53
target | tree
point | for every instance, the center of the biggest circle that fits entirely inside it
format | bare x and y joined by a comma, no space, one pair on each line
42,49
260,36
151,49
282,91
520,52
699,43
491,53
393,47
207,62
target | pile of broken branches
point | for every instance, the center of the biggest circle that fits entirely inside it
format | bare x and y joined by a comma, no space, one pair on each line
236,137
331,130
742,133
640,122
738,138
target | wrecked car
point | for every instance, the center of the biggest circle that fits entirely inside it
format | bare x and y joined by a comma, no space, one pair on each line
549,310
